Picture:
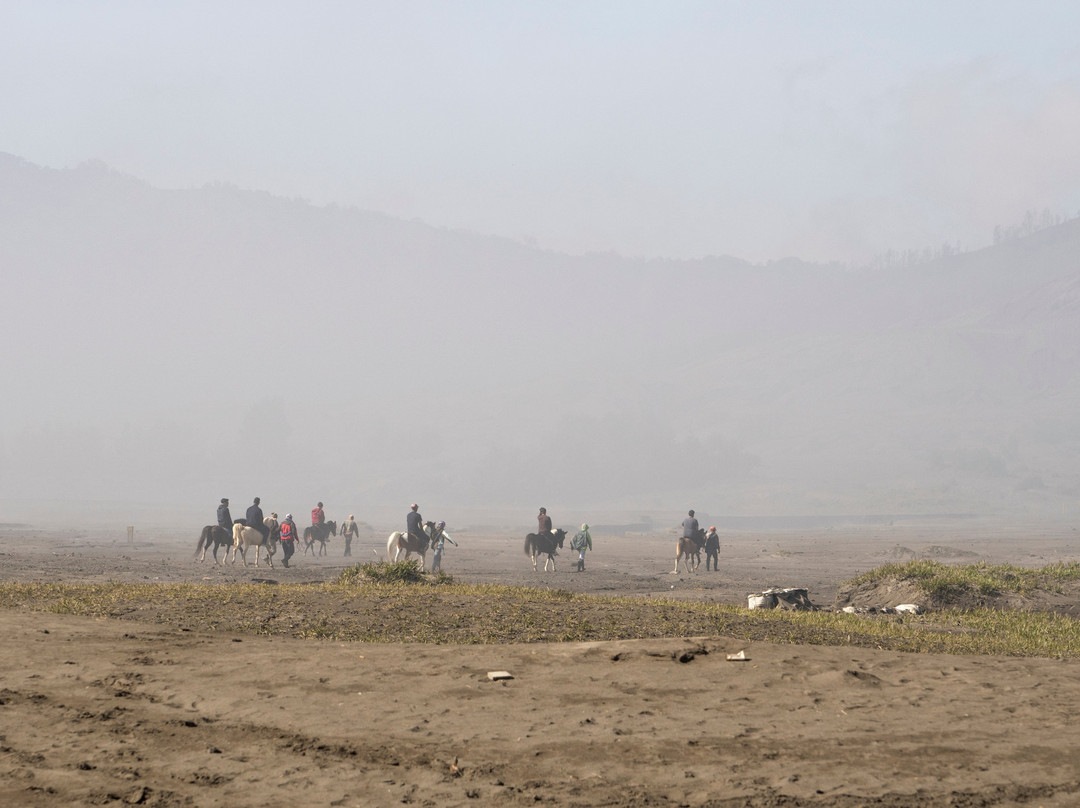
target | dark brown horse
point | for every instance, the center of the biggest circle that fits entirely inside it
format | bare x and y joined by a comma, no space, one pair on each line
214,536
320,534
539,543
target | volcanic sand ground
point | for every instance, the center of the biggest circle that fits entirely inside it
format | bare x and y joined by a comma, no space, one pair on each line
98,712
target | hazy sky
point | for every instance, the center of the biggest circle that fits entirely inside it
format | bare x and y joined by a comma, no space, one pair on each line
756,129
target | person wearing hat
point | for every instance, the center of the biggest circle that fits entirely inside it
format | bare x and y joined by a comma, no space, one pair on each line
712,549
414,526
581,542
224,518
288,539
437,538
349,531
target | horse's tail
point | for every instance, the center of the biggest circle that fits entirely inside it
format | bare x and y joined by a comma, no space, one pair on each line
237,534
529,544
391,544
204,537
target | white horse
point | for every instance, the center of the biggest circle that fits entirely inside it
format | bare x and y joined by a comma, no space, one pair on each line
400,542
245,536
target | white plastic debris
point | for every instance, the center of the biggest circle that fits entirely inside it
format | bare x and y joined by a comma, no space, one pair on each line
497,676
909,608
738,656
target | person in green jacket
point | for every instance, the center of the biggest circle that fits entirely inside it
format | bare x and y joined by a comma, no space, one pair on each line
581,542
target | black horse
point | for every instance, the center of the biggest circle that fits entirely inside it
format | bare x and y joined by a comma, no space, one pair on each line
214,536
537,543
318,533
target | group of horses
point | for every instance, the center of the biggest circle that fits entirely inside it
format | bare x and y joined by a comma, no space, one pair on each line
244,536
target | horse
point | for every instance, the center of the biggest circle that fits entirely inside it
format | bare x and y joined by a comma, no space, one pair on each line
400,542
245,536
687,548
318,533
537,543
214,536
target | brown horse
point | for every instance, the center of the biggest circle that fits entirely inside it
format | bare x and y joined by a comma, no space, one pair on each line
689,551
537,544
214,536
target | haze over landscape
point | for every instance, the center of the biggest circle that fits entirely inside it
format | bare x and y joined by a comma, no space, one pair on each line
618,260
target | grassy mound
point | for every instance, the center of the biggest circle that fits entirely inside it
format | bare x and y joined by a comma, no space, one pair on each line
935,585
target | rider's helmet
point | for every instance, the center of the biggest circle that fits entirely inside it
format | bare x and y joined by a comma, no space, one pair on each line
288,516
712,529
441,525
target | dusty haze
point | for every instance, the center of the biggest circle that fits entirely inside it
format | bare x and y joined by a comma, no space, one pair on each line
167,348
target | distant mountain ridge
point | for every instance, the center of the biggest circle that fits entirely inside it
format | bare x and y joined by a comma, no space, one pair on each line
181,343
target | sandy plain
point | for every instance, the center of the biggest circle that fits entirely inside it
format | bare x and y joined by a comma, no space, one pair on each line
119,711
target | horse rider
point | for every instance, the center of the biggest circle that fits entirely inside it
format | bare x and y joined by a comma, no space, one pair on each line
317,515
288,539
437,538
224,518
414,524
254,518
349,531
690,527
581,542
543,523
712,549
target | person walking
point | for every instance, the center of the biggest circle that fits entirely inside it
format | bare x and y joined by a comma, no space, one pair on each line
437,542
288,539
581,542
349,531
224,518
712,549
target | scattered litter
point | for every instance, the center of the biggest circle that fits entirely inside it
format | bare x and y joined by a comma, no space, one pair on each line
903,608
497,676
793,598
739,656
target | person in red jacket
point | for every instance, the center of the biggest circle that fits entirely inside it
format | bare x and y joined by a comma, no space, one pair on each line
317,515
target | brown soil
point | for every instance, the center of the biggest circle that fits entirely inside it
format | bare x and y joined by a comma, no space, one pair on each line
100,712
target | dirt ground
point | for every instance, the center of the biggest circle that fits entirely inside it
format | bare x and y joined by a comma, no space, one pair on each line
98,712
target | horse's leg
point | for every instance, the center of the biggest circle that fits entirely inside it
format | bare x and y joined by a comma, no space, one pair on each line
533,557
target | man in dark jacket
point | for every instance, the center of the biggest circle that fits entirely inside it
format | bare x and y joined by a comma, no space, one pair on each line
712,550
543,523
254,518
414,524
224,518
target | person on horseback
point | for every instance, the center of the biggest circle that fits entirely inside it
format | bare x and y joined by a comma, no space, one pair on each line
415,527
288,539
224,518
690,527
349,531
543,523
712,549
254,518
318,517
581,542
437,538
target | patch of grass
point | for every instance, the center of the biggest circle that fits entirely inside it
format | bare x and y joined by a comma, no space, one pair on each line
383,572
396,609
948,583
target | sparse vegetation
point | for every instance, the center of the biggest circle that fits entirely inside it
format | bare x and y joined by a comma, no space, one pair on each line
397,603
948,583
